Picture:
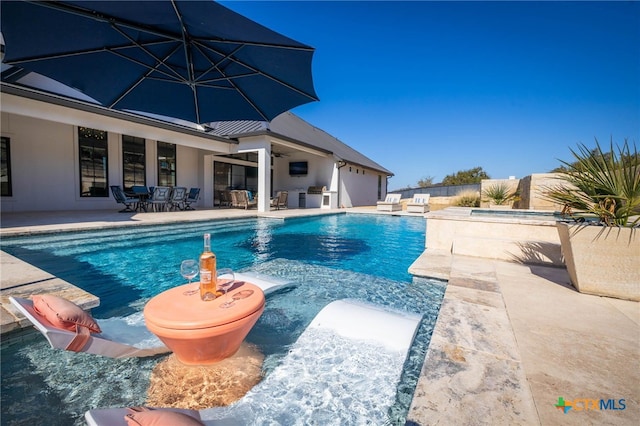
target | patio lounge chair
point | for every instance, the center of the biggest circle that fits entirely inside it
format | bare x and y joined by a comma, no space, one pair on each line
178,197
130,203
192,197
241,199
97,344
419,204
356,324
280,200
390,204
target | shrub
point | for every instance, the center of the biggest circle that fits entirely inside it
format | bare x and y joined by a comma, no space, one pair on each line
467,199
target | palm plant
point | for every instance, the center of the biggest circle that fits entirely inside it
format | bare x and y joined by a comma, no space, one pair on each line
500,194
606,186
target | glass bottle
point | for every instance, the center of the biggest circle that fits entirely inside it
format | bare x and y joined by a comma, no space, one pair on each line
207,271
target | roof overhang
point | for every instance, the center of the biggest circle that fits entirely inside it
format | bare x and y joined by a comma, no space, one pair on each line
152,128
286,142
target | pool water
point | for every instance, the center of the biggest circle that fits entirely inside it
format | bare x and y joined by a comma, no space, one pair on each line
327,258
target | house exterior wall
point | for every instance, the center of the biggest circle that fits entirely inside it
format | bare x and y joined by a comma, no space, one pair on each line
319,172
42,155
45,171
359,186
45,160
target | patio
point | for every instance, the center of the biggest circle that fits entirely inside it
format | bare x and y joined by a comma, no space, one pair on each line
510,339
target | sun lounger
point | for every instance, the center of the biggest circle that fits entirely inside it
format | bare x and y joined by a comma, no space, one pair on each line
267,283
419,203
98,344
348,361
390,204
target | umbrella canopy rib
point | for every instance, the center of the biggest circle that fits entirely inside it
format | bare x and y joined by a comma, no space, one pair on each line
186,44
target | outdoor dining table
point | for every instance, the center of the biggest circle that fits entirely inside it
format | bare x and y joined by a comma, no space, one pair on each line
204,332
142,194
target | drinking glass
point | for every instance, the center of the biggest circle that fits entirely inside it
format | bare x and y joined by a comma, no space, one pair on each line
224,281
189,269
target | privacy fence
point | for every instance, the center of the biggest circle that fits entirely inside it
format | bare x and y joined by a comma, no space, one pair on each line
437,190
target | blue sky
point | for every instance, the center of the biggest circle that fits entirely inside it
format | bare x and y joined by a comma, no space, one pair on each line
427,89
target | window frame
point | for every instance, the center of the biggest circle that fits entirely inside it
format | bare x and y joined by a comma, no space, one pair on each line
131,143
92,144
162,148
5,159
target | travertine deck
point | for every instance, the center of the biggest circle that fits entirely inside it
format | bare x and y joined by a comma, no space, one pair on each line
512,338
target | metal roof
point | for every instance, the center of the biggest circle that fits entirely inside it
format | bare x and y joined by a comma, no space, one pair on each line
294,129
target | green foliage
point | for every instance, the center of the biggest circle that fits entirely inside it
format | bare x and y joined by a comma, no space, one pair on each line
467,199
464,177
425,182
500,194
605,185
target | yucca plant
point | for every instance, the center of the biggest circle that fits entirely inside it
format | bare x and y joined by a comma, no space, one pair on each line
604,185
500,194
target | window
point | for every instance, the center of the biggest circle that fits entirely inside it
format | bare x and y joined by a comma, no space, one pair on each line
92,144
379,187
166,164
5,168
133,159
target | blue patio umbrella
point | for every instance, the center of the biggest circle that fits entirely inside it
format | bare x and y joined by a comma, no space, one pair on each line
193,60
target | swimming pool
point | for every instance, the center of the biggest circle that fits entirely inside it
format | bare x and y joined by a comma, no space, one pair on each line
327,258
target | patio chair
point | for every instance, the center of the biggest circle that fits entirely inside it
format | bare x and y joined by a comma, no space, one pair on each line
225,198
160,198
419,203
241,199
130,203
280,200
192,197
103,343
391,203
178,198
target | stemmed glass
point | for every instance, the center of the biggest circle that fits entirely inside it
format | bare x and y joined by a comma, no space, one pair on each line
224,281
189,269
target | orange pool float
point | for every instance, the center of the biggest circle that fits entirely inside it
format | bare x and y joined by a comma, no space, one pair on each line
199,332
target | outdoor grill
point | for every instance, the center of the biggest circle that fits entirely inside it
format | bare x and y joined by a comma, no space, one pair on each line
316,190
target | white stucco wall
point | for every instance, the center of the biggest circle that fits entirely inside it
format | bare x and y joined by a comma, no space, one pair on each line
319,172
45,171
359,186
